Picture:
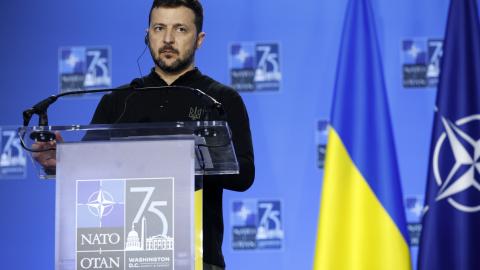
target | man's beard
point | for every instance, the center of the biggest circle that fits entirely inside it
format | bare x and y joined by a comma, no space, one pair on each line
178,65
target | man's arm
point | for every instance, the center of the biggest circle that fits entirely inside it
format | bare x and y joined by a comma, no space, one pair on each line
237,118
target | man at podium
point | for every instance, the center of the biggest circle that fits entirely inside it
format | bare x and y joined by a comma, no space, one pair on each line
173,36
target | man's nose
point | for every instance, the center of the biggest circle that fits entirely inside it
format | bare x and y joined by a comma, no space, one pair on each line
169,36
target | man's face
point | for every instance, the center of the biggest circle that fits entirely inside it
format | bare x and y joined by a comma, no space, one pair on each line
173,38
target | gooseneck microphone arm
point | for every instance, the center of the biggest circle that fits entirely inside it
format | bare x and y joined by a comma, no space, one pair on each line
41,107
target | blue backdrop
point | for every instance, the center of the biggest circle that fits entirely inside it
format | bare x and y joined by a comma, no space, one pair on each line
284,121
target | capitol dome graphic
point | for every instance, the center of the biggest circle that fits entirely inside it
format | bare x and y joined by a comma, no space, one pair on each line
138,241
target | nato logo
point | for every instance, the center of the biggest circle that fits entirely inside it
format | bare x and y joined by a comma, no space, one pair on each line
125,220
83,68
13,159
100,220
414,212
100,204
255,66
421,62
321,137
257,225
456,164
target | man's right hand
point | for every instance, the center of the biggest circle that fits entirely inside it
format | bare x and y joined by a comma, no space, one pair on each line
47,159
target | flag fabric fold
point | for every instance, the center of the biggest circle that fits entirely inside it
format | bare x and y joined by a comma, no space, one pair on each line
450,236
362,220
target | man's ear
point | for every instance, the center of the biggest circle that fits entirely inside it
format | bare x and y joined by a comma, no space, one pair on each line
147,41
200,38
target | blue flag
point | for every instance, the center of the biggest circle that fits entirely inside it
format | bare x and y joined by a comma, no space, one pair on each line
451,224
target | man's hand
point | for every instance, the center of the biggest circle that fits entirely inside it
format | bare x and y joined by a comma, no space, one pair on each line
47,159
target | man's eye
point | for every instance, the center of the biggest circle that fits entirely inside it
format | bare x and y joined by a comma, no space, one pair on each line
158,28
182,29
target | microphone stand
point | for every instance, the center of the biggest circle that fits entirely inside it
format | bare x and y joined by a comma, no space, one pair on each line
41,107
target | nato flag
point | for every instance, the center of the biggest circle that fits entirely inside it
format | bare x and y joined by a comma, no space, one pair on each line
451,223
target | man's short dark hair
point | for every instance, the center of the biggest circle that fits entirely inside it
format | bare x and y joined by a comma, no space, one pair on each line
194,5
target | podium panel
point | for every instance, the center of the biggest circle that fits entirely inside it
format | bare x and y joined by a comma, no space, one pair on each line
126,204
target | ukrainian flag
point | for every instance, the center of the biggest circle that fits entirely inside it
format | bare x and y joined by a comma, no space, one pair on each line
362,219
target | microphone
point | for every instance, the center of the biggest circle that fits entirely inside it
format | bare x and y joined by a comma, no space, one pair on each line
41,108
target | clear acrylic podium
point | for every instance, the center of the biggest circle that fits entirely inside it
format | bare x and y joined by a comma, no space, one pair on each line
126,195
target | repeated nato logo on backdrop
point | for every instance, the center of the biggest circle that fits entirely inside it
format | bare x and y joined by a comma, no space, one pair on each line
414,210
257,225
13,159
421,62
255,66
83,68
321,137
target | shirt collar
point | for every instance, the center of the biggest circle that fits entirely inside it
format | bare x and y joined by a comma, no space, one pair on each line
184,80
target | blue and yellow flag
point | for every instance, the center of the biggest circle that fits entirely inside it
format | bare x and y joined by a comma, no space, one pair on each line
451,223
362,219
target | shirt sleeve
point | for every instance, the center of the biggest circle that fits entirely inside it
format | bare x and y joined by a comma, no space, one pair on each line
103,113
237,118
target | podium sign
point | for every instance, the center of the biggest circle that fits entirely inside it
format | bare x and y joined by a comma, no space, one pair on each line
127,213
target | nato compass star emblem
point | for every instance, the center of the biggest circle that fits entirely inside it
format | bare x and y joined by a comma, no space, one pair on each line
414,51
463,175
242,55
100,203
244,213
